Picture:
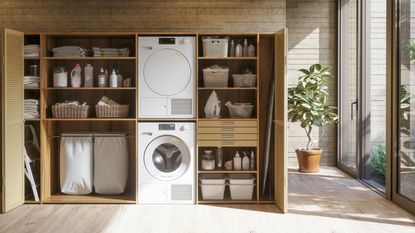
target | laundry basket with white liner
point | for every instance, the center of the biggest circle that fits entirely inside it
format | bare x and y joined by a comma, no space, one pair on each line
76,163
241,186
215,76
212,186
240,110
244,80
110,163
215,47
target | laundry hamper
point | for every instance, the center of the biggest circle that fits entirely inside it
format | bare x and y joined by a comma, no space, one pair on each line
112,111
110,163
76,163
215,47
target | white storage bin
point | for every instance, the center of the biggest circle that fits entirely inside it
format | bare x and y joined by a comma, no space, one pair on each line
241,186
244,80
215,76
110,163
215,47
239,110
76,163
213,186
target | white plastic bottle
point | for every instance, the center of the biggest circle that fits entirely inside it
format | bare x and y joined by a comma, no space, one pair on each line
76,76
245,48
252,161
245,162
113,79
102,79
238,50
251,50
89,76
237,163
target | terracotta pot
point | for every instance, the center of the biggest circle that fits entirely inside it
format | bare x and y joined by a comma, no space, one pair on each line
309,160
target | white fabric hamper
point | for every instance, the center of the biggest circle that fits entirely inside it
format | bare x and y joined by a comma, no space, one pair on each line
76,163
110,163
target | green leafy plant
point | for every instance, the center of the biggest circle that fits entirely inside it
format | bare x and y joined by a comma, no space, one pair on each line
411,48
307,102
378,160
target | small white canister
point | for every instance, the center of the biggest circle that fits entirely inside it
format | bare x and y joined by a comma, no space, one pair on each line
60,77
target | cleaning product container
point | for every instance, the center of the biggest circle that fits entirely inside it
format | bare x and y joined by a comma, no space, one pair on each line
241,186
212,186
76,76
215,47
244,80
240,110
76,163
215,76
110,163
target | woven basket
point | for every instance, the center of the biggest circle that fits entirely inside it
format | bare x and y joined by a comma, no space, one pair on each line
70,111
113,111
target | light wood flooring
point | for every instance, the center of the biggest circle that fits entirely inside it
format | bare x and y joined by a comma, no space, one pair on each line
326,202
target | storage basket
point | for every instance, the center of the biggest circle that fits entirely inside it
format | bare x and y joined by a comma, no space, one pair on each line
215,47
212,186
241,186
70,111
215,76
240,110
112,111
244,80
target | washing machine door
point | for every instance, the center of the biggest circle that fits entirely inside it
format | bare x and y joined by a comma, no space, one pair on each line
167,72
167,158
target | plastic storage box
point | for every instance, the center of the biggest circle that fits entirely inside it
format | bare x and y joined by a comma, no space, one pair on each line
241,186
215,47
215,76
213,186
244,80
240,110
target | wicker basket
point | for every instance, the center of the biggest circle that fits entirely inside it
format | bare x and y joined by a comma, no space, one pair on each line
70,111
113,111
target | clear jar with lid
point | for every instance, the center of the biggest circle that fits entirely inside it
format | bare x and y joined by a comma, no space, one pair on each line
208,160
60,77
34,70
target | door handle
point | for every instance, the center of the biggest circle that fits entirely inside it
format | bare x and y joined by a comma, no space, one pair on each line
147,133
353,106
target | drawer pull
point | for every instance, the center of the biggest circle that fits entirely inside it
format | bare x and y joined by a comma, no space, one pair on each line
226,136
227,122
228,143
227,129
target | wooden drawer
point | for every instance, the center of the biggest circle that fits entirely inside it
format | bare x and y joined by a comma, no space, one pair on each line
221,130
226,136
228,143
227,123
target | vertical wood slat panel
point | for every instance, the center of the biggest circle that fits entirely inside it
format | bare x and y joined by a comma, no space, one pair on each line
281,120
12,120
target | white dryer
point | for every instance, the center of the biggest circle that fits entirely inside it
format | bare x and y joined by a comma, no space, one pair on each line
166,163
166,77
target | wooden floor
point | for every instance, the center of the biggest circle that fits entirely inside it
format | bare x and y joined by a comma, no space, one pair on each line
326,202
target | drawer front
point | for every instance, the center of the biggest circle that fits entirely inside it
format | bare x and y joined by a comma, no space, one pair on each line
229,123
227,143
222,130
224,136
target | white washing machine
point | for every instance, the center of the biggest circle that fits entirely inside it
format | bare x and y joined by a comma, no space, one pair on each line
166,77
166,163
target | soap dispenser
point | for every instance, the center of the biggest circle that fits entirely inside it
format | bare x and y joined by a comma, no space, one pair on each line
113,79
237,161
245,162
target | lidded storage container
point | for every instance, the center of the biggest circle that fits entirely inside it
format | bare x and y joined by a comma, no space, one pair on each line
215,47
212,186
215,76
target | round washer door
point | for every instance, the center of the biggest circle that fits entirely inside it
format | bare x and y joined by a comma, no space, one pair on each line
167,72
167,158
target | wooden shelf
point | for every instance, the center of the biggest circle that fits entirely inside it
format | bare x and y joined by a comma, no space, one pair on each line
229,171
228,119
30,119
31,58
228,58
91,199
166,119
90,88
227,88
90,119
32,89
89,58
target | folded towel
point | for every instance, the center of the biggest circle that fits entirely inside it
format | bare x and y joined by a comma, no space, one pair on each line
31,101
105,101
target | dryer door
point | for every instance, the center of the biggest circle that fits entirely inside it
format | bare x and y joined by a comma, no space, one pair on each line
167,72
167,158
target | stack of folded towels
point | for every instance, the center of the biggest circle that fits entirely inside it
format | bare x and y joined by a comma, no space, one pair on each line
31,81
31,50
71,51
111,52
31,108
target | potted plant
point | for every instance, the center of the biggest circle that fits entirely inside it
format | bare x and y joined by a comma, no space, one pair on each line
307,104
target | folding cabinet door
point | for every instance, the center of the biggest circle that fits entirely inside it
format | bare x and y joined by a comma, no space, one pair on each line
281,120
12,128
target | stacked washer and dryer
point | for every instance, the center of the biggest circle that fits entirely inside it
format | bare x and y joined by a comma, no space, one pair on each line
167,150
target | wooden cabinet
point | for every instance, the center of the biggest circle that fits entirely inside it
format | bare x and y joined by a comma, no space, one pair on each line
269,64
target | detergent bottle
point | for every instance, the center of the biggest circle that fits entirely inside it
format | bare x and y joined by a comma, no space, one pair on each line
76,76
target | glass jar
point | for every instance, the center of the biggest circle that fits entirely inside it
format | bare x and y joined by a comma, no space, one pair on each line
208,161
34,70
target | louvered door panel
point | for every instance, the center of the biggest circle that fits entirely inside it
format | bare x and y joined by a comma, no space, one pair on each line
281,120
12,117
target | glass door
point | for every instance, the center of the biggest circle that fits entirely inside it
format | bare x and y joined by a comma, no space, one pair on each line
348,86
403,139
